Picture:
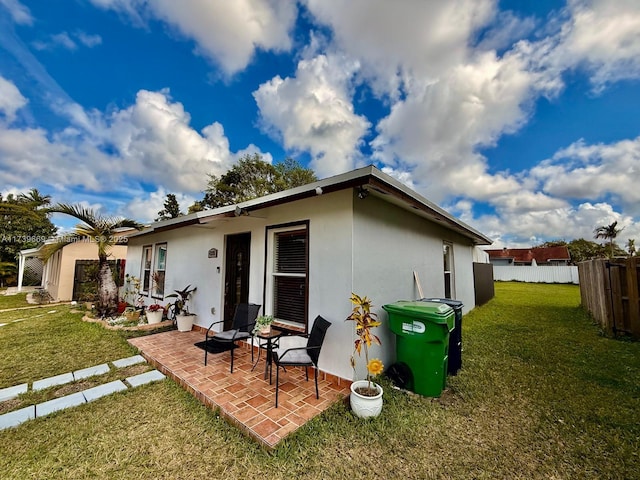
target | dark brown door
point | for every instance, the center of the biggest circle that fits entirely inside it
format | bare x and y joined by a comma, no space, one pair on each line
236,276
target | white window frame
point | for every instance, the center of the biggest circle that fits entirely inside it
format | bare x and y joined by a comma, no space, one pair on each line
270,274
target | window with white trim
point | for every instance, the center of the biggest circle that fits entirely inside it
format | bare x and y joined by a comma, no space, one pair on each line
147,252
286,295
159,270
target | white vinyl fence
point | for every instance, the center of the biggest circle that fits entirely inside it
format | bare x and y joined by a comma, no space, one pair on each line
537,274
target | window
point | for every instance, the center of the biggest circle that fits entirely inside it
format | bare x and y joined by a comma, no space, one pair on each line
159,271
287,280
146,268
449,283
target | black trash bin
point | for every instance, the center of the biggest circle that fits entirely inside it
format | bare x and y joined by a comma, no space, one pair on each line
455,337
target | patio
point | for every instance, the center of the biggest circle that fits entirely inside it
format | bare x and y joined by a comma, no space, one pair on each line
243,397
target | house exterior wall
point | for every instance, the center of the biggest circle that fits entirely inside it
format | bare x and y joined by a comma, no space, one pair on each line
365,246
59,272
389,245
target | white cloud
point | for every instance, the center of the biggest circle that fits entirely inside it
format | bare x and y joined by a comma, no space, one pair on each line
225,32
603,36
88,39
313,112
145,207
436,130
19,12
403,41
584,171
11,100
518,229
153,137
66,41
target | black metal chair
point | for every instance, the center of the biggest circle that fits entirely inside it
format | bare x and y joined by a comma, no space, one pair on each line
303,356
244,319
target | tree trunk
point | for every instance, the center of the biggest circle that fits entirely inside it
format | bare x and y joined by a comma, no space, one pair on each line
107,291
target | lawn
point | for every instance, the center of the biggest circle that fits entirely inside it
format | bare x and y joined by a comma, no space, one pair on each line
542,394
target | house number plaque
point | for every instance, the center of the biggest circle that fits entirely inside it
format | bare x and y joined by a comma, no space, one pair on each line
213,253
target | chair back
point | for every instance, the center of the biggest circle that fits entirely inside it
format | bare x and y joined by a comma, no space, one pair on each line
316,337
244,318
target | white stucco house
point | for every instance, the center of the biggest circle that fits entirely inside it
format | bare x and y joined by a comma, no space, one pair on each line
301,252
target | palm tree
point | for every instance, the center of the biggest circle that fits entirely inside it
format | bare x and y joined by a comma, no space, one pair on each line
631,247
608,232
34,198
103,231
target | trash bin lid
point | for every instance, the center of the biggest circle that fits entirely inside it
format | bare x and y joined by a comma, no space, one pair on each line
427,311
449,301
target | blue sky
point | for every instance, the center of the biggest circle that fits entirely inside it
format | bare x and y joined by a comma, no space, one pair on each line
521,118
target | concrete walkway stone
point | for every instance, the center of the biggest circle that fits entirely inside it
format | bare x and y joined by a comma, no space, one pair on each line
15,418
126,362
12,392
91,371
52,381
147,377
103,390
61,403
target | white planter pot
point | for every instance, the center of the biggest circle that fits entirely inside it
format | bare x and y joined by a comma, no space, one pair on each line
364,406
154,317
185,322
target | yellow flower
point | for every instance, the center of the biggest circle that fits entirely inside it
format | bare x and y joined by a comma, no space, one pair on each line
375,366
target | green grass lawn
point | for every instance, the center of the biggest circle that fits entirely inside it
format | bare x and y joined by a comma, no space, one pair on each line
541,395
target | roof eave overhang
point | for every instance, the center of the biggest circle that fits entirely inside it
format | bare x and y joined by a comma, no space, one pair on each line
375,181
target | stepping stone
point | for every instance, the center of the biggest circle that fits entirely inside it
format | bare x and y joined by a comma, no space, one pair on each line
61,403
91,371
147,377
126,362
15,418
12,392
94,393
52,381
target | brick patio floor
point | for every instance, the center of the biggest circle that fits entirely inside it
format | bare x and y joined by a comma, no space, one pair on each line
244,397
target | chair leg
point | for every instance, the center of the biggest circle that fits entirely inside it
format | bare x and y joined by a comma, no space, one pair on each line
315,369
251,349
232,349
306,372
206,344
277,383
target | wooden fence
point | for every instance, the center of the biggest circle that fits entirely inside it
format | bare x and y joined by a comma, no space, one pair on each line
609,291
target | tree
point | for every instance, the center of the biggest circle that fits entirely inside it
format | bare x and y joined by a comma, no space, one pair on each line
24,223
251,178
171,208
103,231
608,232
631,247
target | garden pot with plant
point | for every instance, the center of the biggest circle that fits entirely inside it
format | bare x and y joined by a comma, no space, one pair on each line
184,318
366,395
154,313
263,324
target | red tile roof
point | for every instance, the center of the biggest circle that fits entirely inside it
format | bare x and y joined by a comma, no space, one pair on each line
526,255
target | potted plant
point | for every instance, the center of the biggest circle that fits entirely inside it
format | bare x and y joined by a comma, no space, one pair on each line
366,395
154,313
263,324
184,318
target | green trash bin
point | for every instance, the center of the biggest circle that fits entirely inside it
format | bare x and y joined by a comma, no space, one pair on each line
422,342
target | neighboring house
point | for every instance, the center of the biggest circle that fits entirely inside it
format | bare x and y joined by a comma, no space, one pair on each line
64,272
556,256
301,252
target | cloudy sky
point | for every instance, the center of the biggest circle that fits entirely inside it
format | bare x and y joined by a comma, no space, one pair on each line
519,117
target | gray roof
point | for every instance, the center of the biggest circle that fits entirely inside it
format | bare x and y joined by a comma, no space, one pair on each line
369,178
